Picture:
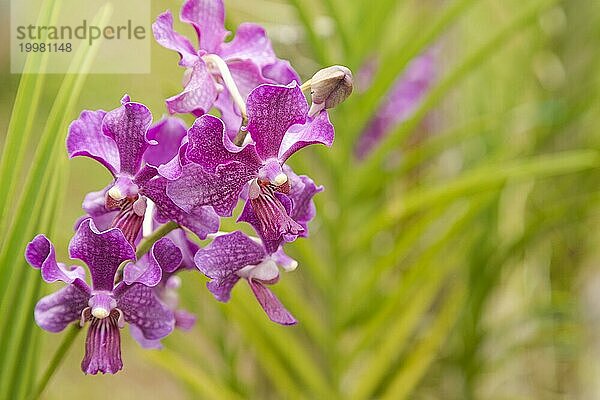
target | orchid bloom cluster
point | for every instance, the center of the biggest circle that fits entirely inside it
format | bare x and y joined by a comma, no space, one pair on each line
171,182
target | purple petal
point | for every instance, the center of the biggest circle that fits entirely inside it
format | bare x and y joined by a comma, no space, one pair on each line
208,18
85,138
198,95
220,190
94,203
103,346
166,36
137,334
221,287
270,217
166,254
188,247
250,43
147,272
142,308
272,110
200,220
163,257
209,146
283,260
280,72
184,320
315,130
271,304
40,254
102,222
173,168
221,259
103,252
230,114
400,103
248,215
127,126
168,132
302,192
247,76
57,310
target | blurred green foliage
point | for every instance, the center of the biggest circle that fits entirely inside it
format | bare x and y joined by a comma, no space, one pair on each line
459,261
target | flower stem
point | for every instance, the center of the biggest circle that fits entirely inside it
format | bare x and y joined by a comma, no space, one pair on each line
306,85
62,350
145,244
217,65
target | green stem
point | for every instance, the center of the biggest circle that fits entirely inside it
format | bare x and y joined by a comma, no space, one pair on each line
145,244
56,360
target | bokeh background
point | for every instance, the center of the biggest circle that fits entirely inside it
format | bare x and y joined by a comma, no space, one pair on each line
458,260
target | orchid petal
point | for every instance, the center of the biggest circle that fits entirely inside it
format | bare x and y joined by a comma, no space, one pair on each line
57,310
142,308
271,304
198,95
208,19
272,110
85,138
167,37
103,252
209,146
127,126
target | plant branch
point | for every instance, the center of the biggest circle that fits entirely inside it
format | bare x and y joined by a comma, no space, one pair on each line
145,244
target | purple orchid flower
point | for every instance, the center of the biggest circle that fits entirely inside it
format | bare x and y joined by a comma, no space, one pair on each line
249,58
215,171
157,269
234,256
123,141
400,103
106,305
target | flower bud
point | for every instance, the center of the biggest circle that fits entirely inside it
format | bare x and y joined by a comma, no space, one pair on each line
329,87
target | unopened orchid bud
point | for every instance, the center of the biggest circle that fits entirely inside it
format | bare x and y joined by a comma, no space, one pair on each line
330,87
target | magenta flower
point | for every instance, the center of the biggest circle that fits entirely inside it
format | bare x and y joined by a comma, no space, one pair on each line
248,58
234,256
106,305
214,171
123,141
400,102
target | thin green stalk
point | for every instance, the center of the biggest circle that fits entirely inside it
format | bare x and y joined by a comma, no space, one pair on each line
423,354
59,354
198,380
23,224
147,243
480,180
56,196
283,341
20,125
